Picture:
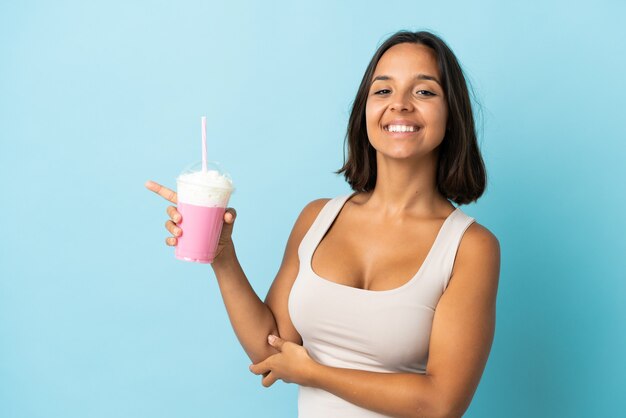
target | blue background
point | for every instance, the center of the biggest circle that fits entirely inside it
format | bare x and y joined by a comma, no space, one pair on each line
97,318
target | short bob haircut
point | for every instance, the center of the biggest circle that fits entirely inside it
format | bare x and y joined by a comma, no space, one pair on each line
461,175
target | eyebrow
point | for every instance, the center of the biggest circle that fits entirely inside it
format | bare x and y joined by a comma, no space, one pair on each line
417,77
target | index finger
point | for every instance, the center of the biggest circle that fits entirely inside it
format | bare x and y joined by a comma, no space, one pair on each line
260,368
162,191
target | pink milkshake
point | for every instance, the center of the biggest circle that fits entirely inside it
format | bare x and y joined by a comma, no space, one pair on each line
202,200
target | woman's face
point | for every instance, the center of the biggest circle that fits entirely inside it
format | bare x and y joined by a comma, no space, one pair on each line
406,111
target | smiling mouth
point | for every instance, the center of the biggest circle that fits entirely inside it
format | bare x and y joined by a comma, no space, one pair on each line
401,128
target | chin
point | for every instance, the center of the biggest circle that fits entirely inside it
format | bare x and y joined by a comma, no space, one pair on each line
399,155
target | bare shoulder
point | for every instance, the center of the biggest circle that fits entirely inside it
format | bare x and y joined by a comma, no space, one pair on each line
307,216
303,223
477,234
313,208
479,251
478,242
478,238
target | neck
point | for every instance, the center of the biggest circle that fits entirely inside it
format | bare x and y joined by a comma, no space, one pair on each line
407,188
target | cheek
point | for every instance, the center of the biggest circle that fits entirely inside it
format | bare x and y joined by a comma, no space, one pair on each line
370,118
373,113
437,117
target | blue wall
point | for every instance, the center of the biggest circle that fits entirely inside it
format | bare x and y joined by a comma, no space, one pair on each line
97,318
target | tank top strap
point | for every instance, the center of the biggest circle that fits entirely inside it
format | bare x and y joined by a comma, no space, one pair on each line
444,252
320,225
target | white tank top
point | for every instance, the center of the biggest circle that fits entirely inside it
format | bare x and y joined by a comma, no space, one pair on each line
380,331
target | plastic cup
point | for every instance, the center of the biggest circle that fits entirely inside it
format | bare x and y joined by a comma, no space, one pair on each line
202,200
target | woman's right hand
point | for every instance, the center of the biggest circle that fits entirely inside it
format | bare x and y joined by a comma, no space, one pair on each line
172,224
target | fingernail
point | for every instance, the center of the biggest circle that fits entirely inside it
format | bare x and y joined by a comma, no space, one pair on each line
271,339
177,218
177,231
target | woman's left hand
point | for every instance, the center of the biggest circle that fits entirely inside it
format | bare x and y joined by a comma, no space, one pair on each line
292,364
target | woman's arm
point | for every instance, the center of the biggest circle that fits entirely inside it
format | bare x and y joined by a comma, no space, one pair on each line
251,318
248,315
461,338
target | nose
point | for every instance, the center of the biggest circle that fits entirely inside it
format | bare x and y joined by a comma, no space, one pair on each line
401,103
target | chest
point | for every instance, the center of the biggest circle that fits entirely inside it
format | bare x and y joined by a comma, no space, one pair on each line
355,328
367,254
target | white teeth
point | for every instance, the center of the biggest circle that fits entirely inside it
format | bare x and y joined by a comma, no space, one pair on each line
401,128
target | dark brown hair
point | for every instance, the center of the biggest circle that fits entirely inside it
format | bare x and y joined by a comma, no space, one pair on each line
461,175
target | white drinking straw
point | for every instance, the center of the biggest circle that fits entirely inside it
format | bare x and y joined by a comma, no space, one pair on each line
204,168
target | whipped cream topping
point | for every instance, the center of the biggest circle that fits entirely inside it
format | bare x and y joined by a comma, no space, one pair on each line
209,189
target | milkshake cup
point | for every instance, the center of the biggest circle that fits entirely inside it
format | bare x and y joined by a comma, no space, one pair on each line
203,194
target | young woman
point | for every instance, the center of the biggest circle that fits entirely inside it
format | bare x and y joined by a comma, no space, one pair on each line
384,304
